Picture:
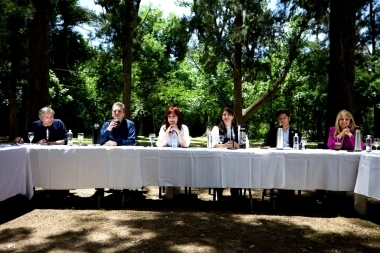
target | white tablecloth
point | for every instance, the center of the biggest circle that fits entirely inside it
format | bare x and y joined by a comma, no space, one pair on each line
63,167
80,167
367,181
15,172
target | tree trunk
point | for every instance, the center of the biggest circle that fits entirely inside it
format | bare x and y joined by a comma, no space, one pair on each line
16,22
13,111
376,109
132,10
376,117
238,100
38,86
342,60
373,27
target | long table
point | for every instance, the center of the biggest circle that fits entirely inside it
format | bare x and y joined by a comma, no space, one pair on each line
15,172
63,167
367,181
80,167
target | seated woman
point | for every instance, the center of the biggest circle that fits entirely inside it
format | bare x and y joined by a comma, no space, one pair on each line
343,132
226,135
173,126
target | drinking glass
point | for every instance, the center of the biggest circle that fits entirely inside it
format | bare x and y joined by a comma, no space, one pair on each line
337,144
80,138
303,141
152,136
221,140
376,142
30,137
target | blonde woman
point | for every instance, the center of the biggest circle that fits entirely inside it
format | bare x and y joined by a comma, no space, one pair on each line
343,131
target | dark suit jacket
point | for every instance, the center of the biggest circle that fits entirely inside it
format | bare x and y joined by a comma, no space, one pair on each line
271,138
57,131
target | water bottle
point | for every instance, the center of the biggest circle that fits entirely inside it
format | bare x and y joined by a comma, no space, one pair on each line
96,135
209,140
296,143
243,138
368,143
70,138
174,139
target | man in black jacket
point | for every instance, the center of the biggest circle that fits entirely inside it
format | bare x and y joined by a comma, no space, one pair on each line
283,118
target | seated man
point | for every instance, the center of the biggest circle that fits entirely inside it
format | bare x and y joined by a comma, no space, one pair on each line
119,131
283,118
47,129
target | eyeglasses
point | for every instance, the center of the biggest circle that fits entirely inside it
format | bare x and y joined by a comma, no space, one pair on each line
344,119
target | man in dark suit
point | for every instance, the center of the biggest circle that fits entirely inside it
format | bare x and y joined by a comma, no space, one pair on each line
283,118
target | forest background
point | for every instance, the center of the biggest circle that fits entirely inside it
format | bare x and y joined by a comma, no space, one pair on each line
312,57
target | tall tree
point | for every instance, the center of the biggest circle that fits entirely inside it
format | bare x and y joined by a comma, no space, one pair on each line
120,20
38,86
342,58
13,50
238,47
16,25
132,12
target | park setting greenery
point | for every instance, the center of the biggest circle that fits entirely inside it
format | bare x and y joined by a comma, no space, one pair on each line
311,57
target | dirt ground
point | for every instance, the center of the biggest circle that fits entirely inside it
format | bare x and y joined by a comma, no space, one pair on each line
190,223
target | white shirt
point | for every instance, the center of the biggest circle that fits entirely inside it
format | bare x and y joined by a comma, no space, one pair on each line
184,132
215,135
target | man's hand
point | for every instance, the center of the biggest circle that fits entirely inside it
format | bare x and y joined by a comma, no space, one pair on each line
19,140
110,143
41,141
112,125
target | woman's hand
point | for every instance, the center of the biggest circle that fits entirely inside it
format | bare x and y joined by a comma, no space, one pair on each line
345,131
174,128
230,144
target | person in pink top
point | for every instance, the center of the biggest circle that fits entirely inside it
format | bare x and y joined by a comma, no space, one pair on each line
343,131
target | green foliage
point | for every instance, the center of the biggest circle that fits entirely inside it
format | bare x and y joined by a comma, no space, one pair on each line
188,62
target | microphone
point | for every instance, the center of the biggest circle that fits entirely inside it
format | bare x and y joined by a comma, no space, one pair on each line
117,123
233,136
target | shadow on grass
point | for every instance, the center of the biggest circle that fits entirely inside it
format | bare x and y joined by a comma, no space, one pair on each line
189,224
